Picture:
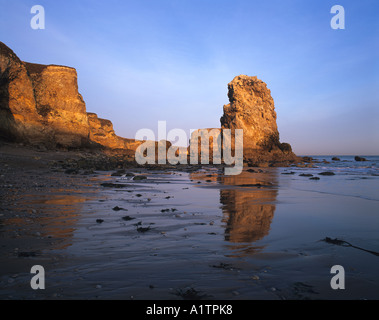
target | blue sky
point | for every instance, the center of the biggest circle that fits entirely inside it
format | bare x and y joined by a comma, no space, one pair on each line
142,61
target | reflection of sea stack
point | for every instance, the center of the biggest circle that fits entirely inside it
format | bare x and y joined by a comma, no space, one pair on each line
245,222
248,211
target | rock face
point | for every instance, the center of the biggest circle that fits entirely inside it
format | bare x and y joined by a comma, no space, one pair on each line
60,104
102,132
251,108
19,120
41,105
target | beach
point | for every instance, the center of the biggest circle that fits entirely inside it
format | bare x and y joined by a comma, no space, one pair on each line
187,232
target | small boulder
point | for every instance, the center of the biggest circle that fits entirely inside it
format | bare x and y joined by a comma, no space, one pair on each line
327,173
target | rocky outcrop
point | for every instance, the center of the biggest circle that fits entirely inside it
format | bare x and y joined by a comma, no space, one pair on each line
59,104
41,105
19,120
251,108
102,132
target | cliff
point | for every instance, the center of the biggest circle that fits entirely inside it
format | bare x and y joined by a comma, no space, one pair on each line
59,104
41,105
19,120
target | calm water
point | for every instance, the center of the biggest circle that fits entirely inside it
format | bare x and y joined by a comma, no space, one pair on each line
254,236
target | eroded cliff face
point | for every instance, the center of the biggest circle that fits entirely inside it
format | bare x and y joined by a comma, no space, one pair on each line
19,120
59,104
102,132
41,105
252,109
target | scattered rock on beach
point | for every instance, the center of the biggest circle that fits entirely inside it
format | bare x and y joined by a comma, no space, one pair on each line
143,230
327,173
314,178
117,208
360,159
99,221
127,218
113,185
336,159
139,178
118,173
305,175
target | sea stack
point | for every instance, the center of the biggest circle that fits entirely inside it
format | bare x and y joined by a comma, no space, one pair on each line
251,108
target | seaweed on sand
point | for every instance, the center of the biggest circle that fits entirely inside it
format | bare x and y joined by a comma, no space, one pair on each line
344,243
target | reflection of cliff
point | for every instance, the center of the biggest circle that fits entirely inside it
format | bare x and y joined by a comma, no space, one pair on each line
55,217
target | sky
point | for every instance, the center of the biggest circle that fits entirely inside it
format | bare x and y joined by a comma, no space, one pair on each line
144,61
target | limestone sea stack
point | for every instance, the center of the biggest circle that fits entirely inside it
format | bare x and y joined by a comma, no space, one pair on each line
252,109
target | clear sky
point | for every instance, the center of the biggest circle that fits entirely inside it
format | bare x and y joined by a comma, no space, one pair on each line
142,61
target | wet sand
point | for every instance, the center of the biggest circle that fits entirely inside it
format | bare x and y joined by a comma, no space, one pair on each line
183,235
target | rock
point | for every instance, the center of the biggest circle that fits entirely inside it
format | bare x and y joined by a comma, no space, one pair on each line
60,104
119,173
138,178
102,132
143,230
360,159
127,218
19,119
40,105
251,108
336,159
305,175
114,185
99,221
117,208
314,178
327,173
